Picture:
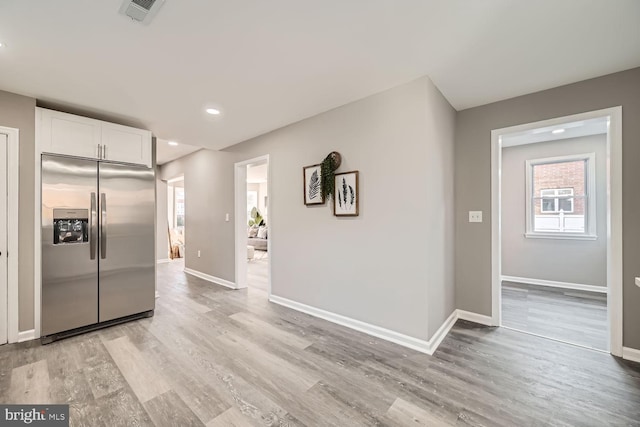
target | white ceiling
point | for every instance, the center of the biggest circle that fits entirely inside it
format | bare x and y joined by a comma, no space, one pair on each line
166,152
257,174
567,130
266,64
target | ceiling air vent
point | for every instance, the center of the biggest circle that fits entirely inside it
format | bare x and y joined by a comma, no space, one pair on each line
141,10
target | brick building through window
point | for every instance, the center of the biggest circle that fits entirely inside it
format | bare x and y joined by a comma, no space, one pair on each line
558,200
556,183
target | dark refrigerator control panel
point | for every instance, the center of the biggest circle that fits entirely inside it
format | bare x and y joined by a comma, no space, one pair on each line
70,226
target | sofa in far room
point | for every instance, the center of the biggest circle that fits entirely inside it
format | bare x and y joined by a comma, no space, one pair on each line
257,237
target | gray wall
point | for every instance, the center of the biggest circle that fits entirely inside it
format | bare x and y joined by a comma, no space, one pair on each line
393,265
19,112
572,261
208,193
473,181
162,239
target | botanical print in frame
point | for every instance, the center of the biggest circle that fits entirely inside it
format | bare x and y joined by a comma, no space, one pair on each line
346,198
312,185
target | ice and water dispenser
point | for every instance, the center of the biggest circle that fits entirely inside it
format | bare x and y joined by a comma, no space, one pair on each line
70,226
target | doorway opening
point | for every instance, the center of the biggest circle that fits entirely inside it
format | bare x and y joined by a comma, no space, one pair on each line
176,217
557,229
258,226
252,224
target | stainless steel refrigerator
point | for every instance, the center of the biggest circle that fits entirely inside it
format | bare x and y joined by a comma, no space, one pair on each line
98,244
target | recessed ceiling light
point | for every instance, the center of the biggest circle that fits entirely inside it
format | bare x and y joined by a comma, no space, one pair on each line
2,44
173,143
213,111
557,131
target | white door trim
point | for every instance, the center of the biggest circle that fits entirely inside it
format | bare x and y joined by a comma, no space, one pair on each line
240,193
37,241
614,214
13,181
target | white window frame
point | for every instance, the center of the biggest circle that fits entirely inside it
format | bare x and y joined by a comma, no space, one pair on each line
589,196
556,196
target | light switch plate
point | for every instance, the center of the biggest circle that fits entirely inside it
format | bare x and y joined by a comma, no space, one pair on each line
475,216
638,281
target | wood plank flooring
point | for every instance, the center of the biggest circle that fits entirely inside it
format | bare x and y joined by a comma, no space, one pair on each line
568,315
258,270
217,357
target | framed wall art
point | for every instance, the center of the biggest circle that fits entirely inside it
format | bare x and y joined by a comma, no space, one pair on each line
312,181
346,198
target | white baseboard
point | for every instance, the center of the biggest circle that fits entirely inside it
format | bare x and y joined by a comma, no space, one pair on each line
376,331
163,261
423,346
554,284
442,331
27,335
209,278
474,317
631,354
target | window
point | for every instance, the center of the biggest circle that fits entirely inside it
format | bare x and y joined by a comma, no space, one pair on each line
252,202
179,199
561,197
557,200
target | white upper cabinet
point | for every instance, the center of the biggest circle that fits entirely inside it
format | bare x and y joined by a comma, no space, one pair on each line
62,133
126,144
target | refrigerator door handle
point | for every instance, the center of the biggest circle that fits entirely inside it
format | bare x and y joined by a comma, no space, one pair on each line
93,227
103,225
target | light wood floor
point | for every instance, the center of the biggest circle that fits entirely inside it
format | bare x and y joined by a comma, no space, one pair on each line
577,317
217,357
258,270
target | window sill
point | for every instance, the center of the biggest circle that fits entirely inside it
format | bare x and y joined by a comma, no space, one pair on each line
561,236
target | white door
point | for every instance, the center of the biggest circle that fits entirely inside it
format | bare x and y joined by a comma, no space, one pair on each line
3,239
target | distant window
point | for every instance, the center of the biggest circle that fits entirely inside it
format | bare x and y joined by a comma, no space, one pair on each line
179,199
561,197
557,200
252,202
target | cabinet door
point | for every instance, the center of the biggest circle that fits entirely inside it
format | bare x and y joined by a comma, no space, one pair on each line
126,144
63,133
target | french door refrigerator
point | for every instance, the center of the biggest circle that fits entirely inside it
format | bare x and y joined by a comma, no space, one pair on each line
98,244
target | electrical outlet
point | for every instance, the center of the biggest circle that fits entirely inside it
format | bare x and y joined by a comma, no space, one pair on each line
198,254
475,216
226,217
